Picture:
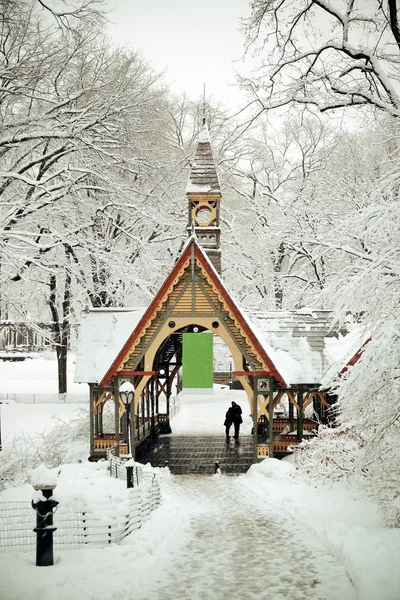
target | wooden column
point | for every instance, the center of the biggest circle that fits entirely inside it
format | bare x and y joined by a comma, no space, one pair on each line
255,418
317,406
116,414
148,414
100,409
300,416
291,415
143,410
168,387
92,397
155,388
271,417
131,427
152,404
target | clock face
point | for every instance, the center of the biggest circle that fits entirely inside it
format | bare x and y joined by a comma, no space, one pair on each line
204,215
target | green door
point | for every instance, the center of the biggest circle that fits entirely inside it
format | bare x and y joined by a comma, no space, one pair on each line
197,360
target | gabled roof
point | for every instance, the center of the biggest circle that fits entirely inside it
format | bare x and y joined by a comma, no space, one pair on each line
304,345
203,177
295,346
192,253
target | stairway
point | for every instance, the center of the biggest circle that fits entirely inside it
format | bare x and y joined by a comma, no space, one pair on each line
197,455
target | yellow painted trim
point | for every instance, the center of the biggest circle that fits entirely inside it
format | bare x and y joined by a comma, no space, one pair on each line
199,206
153,316
206,322
232,316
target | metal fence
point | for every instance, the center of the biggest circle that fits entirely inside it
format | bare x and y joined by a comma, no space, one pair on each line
99,523
118,469
43,398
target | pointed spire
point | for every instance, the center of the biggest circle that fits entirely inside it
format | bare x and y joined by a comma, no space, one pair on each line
203,177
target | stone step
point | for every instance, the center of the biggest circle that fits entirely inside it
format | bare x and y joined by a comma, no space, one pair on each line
197,455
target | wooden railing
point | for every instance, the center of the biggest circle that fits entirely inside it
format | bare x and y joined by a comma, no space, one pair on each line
281,424
283,443
105,441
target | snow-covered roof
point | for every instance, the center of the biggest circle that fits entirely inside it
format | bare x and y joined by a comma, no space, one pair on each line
303,345
300,346
203,177
103,334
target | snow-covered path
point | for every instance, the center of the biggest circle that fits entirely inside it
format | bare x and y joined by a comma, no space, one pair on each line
238,548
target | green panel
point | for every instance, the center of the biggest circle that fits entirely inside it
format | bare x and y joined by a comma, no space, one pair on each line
197,360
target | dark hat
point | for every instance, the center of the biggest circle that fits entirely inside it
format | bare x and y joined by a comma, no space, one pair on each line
233,403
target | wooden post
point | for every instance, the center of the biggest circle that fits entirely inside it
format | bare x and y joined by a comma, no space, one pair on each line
100,409
291,415
148,414
153,422
300,416
168,385
116,415
271,417
143,412
131,426
91,400
154,388
316,406
255,418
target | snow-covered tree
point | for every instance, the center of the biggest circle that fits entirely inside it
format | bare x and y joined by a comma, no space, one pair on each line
327,53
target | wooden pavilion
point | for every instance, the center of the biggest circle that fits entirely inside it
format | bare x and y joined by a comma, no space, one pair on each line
279,355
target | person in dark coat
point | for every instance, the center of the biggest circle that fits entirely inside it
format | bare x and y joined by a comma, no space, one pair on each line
233,416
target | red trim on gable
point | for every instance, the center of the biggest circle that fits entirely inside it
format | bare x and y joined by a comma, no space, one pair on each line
354,359
113,368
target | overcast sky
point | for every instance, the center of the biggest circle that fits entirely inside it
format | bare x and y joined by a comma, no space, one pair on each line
197,41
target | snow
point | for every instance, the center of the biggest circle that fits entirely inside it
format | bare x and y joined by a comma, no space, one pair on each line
43,478
30,404
205,415
307,311
197,188
344,520
304,352
102,336
268,532
20,420
339,351
38,376
204,135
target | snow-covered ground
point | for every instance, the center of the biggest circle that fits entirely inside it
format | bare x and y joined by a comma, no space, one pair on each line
38,376
266,534
30,404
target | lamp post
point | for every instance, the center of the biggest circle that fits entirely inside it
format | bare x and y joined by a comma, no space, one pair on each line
126,392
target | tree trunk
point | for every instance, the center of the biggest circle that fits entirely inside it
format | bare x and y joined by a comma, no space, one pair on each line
60,326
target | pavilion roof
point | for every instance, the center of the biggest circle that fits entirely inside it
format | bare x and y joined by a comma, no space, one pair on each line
299,347
304,345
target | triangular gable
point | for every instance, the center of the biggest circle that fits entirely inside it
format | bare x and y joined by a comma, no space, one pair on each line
193,288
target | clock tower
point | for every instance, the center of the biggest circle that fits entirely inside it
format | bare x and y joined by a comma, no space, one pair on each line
204,196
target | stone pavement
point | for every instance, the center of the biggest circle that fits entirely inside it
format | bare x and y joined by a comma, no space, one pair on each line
226,544
197,454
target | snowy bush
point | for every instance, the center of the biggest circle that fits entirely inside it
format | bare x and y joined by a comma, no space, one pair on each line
64,443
